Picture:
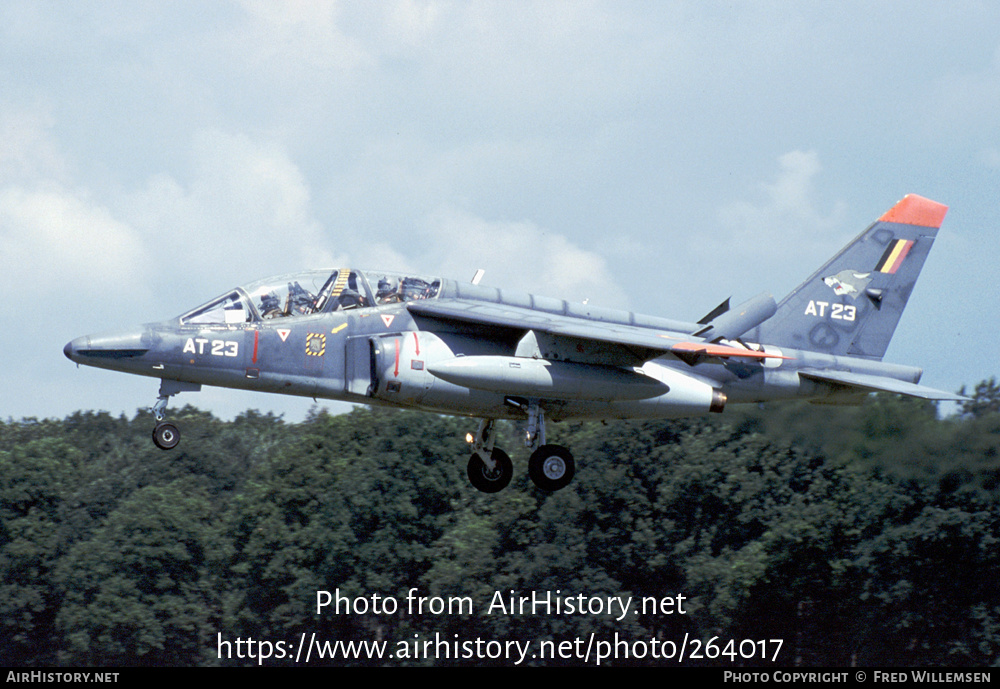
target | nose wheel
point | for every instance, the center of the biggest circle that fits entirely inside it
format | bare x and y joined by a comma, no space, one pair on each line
166,436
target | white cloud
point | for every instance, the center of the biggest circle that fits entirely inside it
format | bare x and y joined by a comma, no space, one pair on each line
244,213
253,184
790,205
411,23
518,256
770,242
28,151
294,39
53,234
52,239
963,103
990,157
381,255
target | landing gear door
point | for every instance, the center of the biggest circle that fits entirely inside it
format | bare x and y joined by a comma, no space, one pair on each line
358,359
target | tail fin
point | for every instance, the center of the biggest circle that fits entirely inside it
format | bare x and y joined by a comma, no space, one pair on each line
852,304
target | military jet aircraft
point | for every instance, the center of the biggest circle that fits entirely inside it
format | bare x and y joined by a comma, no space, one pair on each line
451,347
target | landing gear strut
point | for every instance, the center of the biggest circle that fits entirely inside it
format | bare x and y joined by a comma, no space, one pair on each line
551,467
490,468
166,435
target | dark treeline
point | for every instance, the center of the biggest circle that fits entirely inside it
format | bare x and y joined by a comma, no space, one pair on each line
858,535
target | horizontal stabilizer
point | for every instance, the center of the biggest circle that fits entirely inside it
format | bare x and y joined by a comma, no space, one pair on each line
870,383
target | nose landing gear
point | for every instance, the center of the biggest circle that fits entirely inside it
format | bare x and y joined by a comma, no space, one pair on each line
166,435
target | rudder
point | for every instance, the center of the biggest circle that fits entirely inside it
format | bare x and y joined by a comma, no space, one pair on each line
852,304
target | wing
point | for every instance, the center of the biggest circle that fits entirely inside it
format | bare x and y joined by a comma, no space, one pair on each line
592,341
864,382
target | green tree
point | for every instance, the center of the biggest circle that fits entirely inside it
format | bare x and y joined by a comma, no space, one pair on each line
144,588
985,399
34,479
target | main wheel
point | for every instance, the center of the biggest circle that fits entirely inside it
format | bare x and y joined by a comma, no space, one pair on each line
491,481
551,467
166,436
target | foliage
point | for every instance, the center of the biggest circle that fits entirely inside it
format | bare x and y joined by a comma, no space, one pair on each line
858,535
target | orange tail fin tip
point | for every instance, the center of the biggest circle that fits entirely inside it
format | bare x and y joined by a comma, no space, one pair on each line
916,210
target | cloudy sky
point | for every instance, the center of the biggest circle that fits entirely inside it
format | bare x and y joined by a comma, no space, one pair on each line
655,156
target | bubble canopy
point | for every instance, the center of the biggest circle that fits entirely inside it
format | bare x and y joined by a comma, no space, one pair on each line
312,292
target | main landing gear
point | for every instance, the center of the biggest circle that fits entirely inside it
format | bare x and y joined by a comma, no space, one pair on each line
166,435
490,468
550,467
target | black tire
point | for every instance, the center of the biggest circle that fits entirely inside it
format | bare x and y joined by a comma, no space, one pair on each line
488,481
551,467
166,436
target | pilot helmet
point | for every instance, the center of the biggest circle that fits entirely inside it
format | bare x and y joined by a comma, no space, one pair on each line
269,301
385,287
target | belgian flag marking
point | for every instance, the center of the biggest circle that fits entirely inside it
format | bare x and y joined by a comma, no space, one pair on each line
894,254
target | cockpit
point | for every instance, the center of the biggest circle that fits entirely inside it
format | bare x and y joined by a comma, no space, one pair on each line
312,292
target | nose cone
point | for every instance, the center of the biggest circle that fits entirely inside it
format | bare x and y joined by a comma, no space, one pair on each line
108,350
72,346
